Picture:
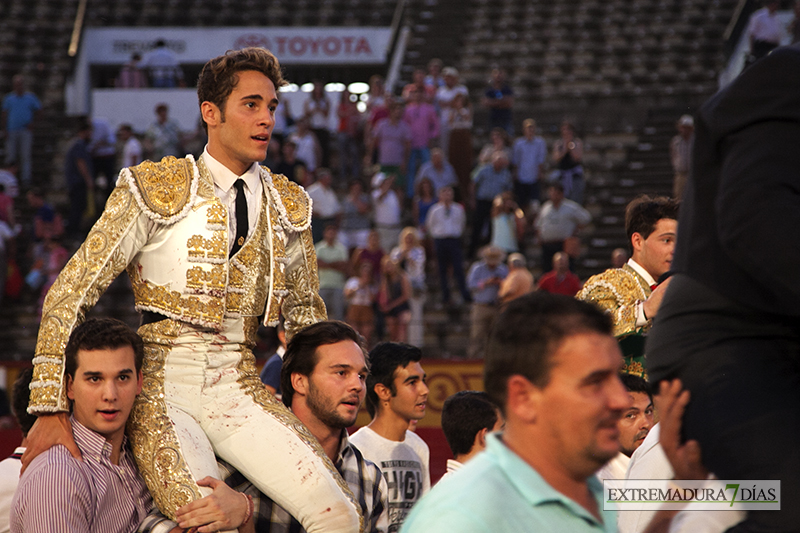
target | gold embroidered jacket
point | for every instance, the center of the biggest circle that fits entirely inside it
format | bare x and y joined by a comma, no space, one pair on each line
164,223
617,291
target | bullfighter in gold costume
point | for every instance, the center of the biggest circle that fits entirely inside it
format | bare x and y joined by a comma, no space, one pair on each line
631,294
173,226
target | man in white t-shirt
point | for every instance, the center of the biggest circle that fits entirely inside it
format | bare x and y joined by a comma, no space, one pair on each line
386,210
131,147
396,395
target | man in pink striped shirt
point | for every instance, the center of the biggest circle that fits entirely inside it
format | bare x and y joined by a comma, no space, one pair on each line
102,492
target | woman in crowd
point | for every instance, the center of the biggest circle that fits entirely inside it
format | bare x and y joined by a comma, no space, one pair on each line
498,142
356,208
393,299
424,198
359,292
567,158
372,253
508,223
409,255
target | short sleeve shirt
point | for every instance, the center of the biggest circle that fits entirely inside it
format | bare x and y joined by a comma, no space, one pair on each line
498,491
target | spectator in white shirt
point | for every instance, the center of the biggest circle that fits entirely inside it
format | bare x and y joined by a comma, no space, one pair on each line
387,210
325,204
558,220
131,147
445,224
764,30
467,417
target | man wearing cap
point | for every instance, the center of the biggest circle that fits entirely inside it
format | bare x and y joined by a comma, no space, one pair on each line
484,279
445,96
680,149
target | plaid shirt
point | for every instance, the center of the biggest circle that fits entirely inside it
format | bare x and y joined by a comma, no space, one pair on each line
363,477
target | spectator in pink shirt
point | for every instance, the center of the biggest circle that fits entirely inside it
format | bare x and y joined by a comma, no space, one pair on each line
392,137
423,120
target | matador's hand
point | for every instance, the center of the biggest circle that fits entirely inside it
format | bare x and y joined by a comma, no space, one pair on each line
47,431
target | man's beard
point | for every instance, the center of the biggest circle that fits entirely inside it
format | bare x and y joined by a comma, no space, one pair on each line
325,410
638,439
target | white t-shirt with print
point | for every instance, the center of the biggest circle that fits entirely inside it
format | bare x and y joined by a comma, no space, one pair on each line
405,466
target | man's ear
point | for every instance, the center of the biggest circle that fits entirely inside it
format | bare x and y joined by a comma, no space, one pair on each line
70,393
211,114
480,440
523,399
139,381
383,392
637,241
300,383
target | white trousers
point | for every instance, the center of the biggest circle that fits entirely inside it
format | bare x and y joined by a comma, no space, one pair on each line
202,396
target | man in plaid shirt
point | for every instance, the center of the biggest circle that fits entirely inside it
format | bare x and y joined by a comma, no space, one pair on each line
323,382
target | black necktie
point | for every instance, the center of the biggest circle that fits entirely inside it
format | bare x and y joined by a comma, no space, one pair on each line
241,217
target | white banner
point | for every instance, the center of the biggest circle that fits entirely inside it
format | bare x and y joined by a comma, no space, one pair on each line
295,45
292,46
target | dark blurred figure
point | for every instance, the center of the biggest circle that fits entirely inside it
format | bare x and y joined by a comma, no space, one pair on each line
78,174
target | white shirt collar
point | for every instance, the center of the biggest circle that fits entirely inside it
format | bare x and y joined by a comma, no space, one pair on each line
642,272
453,465
224,178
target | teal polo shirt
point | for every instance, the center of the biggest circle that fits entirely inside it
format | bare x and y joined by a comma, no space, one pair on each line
499,492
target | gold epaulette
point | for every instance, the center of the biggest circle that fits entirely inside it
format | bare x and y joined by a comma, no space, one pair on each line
292,201
166,190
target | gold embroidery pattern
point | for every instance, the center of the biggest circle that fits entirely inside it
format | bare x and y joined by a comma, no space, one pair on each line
217,215
87,274
213,250
302,305
207,281
165,187
153,440
294,199
205,311
252,386
616,291
634,367
205,187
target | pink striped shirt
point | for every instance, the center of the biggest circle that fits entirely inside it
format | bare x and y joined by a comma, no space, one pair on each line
59,493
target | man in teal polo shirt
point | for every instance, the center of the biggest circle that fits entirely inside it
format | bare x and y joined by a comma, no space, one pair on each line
553,366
